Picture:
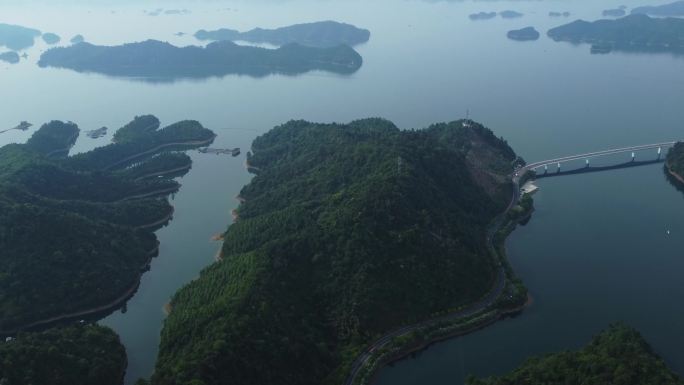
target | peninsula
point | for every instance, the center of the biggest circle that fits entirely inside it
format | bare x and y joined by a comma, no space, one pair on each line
618,355
637,32
77,232
319,34
346,232
153,59
16,37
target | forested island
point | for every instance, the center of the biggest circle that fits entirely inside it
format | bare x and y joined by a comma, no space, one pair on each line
75,355
617,356
158,60
510,14
346,232
319,34
482,16
16,37
76,232
637,32
9,57
51,38
672,9
524,34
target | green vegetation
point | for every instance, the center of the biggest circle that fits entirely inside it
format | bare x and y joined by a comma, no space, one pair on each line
319,34
54,138
77,355
346,232
523,209
73,237
675,159
139,127
617,356
153,60
636,32
140,140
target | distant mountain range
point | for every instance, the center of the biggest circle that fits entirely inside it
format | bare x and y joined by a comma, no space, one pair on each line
636,32
671,9
319,34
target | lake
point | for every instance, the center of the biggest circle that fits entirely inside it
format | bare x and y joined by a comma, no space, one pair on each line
596,249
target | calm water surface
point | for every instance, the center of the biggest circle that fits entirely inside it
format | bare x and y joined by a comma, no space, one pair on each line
596,250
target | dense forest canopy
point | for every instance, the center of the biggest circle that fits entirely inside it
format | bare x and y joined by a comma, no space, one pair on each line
158,60
74,237
617,356
76,355
54,138
675,159
346,231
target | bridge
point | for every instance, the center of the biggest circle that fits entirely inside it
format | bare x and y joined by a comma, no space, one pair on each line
500,283
587,156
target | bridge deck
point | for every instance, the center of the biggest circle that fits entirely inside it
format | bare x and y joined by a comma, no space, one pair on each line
595,154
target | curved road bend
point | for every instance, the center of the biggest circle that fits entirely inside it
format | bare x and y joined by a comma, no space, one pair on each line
477,307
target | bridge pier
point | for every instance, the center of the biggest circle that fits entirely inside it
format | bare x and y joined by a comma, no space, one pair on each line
633,156
587,162
660,150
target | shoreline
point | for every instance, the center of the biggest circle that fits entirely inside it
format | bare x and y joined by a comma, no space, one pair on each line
165,172
423,345
167,218
160,147
166,191
674,174
110,306
365,358
66,150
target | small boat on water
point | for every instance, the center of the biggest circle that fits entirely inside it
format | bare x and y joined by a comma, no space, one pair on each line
217,151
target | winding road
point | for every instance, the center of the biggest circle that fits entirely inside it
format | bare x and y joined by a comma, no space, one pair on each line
481,305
